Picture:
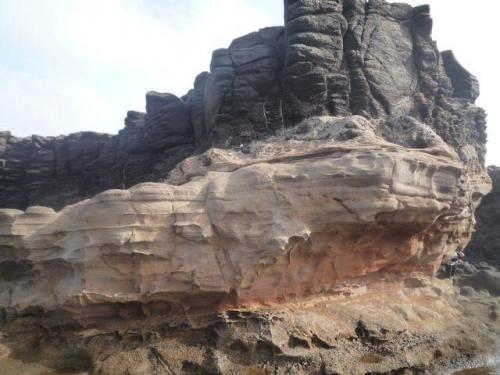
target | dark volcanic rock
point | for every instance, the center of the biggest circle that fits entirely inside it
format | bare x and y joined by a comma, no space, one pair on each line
240,99
485,243
332,57
310,250
481,270
488,280
56,171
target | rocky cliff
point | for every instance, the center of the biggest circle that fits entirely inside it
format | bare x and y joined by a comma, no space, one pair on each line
325,203
481,271
287,215
486,240
338,58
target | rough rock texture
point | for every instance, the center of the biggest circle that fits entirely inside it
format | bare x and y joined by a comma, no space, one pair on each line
327,223
328,202
288,215
486,241
420,328
481,271
56,171
333,57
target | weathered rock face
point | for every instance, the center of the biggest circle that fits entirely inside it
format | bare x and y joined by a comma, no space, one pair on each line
422,329
326,203
333,57
312,181
481,271
486,240
338,224
56,171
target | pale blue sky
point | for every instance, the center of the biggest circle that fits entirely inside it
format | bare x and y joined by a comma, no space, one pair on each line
70,65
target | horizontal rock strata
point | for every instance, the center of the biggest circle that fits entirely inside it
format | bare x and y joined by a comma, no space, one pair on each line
288,215
328,202
423,328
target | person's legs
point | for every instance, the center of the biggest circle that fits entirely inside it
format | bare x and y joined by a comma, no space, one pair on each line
453,269
450,270
447,269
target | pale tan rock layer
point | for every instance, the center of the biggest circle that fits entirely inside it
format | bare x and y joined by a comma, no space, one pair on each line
328,203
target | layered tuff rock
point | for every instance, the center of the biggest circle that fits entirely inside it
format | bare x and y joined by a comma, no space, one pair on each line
311,252
287,215
328,202
424,329
332,57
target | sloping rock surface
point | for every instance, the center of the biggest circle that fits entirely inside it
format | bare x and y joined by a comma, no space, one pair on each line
332,57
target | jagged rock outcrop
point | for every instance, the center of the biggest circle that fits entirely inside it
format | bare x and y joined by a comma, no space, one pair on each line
56,171
338,224
481,270
486,242
240,99
287,215
326,203
333,57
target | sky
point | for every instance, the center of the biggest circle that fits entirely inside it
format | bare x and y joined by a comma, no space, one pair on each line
72,65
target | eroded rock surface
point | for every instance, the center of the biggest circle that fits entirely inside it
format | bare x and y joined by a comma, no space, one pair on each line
486,243
326,202
421,328
481,270
333,57
287,215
